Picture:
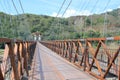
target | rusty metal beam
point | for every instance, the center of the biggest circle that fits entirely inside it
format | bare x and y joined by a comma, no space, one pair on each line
13,51
1,75
24,55
111,61
60,45
119,72
6,40
95,55
13,62
19,60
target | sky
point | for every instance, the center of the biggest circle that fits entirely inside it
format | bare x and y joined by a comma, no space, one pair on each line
51,7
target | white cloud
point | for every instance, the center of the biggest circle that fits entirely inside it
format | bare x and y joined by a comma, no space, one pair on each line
69,13
54,14
85,12
109,10
118,6
72,12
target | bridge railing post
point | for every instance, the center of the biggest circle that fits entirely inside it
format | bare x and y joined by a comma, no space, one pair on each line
69,51
1,75
119,72
19,60
25,57
119,66
97,57
13,62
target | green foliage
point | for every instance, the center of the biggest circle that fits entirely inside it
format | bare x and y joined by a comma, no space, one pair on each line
88,22
114,13
22,26
92,33
2,46
117,25
100,20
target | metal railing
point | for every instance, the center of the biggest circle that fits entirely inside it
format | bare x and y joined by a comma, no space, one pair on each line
15,58
98,56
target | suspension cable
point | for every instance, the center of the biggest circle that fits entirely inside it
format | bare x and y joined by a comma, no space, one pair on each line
58,14
15,6
3,24
21,6
92,15
82,6
67,8
86,5
16,17
64,14
105,19
61,7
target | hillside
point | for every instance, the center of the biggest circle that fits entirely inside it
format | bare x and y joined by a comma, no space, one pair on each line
22,26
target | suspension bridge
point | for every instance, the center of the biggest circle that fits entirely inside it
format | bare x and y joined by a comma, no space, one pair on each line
91,58
78,59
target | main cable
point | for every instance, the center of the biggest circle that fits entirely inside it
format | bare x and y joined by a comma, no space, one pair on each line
94,6
17,19
15,6
21,6
58,16
61,7
106,5
84,7
66,8
64,14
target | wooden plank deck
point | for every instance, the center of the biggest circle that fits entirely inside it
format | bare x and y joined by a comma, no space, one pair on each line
47,65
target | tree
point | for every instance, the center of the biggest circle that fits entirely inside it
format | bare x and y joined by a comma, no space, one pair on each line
88,22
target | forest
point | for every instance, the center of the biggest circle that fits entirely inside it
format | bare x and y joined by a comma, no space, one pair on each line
55,28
